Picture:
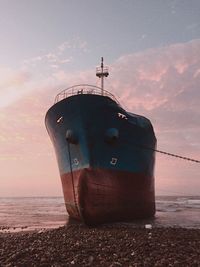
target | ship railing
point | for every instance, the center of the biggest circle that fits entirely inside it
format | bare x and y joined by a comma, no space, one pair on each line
85,89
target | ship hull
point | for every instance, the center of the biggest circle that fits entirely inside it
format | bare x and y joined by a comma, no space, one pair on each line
107,196
106,159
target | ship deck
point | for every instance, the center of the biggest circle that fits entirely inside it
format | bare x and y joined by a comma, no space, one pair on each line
85,89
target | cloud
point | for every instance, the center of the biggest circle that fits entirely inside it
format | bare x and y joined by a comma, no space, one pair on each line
164,77
62,54
12,84
38,71
75,43
161,84
11,77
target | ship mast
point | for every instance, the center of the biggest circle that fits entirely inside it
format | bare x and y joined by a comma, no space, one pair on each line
102,72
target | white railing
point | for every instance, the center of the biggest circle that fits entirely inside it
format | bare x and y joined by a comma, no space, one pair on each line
83,89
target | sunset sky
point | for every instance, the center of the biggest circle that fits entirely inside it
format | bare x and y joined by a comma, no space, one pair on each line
152,48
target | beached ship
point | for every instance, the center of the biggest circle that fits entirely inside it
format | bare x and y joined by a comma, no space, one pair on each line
105,155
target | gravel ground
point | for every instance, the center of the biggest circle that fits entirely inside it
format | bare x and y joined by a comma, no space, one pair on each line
107,245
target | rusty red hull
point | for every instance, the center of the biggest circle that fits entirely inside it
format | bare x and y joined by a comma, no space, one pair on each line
107,195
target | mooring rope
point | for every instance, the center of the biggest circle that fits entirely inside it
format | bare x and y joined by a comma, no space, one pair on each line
171,154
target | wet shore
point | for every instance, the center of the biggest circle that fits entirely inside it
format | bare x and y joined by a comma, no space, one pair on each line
107,245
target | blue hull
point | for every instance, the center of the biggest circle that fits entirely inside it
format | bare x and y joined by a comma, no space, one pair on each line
106,172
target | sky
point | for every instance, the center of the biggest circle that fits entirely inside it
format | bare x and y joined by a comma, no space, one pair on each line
152,48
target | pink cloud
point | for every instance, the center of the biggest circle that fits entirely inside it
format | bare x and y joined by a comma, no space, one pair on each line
161,84
157,75
12,84
11,77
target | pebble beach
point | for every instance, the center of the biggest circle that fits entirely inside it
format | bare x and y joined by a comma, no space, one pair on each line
106,245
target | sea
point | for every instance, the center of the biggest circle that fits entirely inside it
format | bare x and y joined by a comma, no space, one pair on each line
41,213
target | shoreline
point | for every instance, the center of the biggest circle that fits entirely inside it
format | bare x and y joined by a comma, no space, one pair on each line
129,225
22,229
106,245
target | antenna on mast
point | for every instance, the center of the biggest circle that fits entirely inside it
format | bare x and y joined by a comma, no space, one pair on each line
102,72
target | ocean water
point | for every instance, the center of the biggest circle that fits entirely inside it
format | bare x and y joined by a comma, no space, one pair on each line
31,213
